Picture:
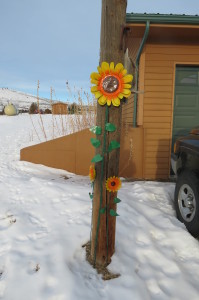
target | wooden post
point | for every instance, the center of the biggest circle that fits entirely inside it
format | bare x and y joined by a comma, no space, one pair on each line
113,17
38,97
51,96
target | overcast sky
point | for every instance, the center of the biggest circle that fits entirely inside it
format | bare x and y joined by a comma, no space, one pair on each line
55,41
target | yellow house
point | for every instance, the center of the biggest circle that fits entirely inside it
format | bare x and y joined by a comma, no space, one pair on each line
163,52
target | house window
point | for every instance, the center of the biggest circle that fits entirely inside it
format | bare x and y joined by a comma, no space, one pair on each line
188,76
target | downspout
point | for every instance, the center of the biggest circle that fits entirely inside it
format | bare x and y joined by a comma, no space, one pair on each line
137,71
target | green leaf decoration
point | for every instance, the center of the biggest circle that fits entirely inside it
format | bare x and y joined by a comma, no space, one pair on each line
97,158
117,200
110,127
96,130
113,213
113,145
95,142
91,196
102,210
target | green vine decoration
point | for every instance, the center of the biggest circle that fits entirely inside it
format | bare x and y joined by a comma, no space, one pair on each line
111,84
101,185
110,182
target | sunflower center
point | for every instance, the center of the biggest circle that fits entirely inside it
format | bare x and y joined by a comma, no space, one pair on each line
110,84
113,183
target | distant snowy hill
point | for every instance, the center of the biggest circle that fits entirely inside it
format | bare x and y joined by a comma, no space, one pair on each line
21,100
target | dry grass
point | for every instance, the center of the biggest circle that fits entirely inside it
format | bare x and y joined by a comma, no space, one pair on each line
81,115
84,109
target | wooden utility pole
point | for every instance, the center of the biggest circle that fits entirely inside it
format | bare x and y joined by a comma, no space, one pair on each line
113,17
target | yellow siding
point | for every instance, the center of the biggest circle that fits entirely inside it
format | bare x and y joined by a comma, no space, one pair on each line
127,111
157,79
133,44
160,62
157,76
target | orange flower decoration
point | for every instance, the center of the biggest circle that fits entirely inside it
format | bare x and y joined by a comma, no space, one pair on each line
92,173
113,184
111,84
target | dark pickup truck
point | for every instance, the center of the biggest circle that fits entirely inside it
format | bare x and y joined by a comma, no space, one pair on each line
185,164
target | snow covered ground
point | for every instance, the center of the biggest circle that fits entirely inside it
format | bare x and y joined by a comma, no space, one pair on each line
45,219
21,100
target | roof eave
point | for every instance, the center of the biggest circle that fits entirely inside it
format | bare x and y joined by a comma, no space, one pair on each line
162,19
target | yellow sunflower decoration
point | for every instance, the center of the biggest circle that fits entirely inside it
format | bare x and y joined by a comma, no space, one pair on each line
92,173
111,83
113,184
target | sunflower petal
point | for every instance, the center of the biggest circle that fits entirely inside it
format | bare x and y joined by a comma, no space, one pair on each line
99,70
108,102
98,94
120,96
123,72
95,75
102,100
128,78
119,67
125,91
116,101
112,66
94,81
94,89
126,94
105,66
129,94
127,86
100,103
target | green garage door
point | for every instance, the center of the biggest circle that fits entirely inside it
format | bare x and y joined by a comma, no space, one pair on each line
186,102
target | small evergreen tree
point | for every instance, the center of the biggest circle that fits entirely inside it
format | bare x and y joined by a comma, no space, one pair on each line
33,108
73,108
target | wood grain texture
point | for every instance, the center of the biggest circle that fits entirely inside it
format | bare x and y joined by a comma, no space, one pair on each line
112,19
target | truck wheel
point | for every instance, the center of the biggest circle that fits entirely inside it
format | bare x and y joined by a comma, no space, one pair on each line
187,201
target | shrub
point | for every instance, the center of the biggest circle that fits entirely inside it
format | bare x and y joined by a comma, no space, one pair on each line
47,111
33,108
73,108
